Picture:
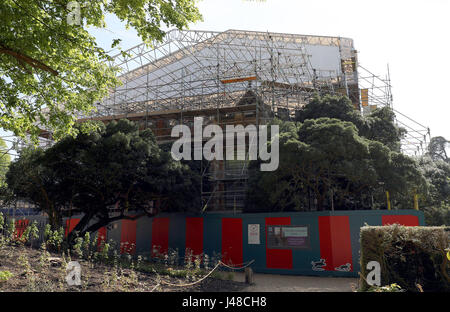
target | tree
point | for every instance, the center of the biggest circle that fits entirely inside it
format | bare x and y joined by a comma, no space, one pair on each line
339,107
30,179
327,163
436,202
104,176
378,126
51,69
324,158
5,159
437,149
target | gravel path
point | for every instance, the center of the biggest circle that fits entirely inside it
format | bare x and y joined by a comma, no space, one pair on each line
291,283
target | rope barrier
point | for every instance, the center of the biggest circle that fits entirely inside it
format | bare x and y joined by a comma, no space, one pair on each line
193,283
243,265
207,275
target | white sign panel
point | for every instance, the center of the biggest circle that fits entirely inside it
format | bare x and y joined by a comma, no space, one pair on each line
296,231
253,234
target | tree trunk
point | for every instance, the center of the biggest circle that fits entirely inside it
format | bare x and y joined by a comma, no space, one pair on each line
79,228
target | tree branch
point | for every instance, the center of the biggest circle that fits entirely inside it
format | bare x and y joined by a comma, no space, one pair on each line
22,58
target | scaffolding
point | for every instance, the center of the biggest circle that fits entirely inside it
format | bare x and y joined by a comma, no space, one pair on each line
197,70
375,92
228,78
231,78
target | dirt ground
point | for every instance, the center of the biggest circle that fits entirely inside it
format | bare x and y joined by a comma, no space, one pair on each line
32,271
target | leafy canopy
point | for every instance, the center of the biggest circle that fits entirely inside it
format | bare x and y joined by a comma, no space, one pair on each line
5,159
49,69
437,149
103,176
436,202
378,126
336,159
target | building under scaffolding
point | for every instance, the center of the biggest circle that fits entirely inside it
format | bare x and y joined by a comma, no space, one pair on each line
233,78
228,78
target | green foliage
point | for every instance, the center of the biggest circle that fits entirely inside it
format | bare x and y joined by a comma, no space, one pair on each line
407,255
436,201
438,215
53,238
437,149
30,178
117,166
325,162
31,233
121,271
77,247
10,229
5,159
389,288
104,251
50,69
338,107
378,126
5,276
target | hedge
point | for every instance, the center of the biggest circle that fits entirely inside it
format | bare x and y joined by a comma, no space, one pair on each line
408,255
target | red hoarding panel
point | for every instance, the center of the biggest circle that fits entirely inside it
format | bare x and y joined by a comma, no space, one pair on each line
194,235
406,220
160,236
128,237
335,243
342,245
70,225
101,237
326,251
278,258
20,226
232,247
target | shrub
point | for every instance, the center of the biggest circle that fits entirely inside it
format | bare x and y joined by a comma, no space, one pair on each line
388,288
5,276
437,216
408,256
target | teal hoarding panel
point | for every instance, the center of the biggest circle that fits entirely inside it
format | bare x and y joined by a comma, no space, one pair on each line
356,222
113,233
177,234
144,236
212,235
302,258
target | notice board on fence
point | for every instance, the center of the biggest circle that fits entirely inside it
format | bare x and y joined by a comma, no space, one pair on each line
253,234
288,237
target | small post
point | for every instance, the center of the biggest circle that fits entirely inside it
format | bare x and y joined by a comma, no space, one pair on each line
388,201
249,276
416,201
